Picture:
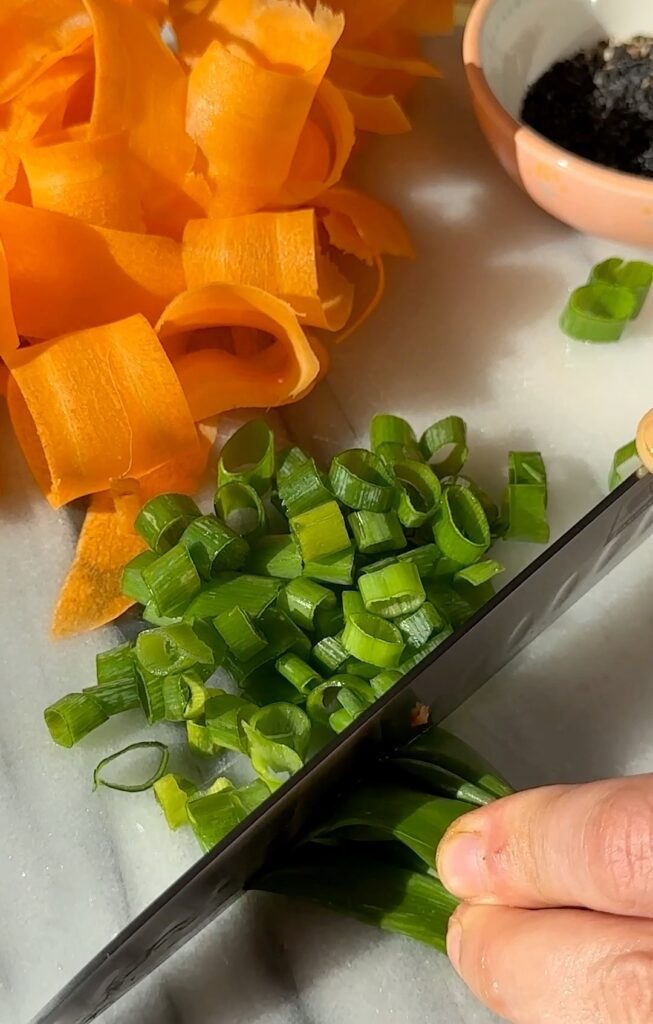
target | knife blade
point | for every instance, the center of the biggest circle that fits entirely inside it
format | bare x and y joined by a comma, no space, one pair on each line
516,615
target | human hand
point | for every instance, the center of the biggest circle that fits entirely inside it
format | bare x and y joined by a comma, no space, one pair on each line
557,923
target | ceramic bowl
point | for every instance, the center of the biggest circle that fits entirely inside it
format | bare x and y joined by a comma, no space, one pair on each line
508,44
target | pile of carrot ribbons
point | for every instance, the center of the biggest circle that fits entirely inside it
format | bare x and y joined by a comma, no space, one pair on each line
175,226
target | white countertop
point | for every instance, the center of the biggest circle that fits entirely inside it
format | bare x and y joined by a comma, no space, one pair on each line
469,328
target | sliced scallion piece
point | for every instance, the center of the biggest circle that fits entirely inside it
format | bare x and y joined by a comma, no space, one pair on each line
384,681
388,429
200,740
240,634
304,489
626,461
170,649
213,547
636,276
328,621
248,457
373,640
360,480
375,532
336,569
324,700
419,626
251,593
419,491
277,742
479,573
132,584
116,666
72,717
114,698
524,513
184,696
302,598
126,752
526,468
297,672
213,815
329,655
173,581
352,603
150,693
461,530
320,532
163,519
172,793
288,461
276,556
448,435
241,508
223,713
598,312
395,590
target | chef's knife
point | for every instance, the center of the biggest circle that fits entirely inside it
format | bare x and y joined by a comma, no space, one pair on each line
518,613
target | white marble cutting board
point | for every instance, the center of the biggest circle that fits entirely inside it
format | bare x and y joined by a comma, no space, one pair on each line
468,328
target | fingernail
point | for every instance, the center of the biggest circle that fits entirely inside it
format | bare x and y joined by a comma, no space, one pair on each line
454,942
461,865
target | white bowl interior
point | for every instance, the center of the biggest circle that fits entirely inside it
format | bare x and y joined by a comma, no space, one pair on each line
520,39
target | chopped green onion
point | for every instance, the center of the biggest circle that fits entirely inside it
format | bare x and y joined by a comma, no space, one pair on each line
201,741
461,530
172,793
362,669
150,693
173,581
625,462
388,429
526,468
419,626
116,665
376,531
171,649
72,717
373,640
303,489
277,741
328,621
213,546
240,634
252,593
336,569
424,558
326,699
282,635
302,598
114,698
214,815
329,655
395,590
524,513
265,686
223,714
240,507
288,461
132,583
276,556
489,506
384,681
417,655
153,616
479,573
636,276
137,787
420,492
163,519
450,432
352,603
320,532
248,457
184,696
450,603
297,672
598,312
360,480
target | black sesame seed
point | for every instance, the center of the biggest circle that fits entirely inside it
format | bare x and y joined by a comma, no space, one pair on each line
598,104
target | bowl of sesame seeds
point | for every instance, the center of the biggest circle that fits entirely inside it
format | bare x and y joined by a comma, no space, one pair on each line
563,91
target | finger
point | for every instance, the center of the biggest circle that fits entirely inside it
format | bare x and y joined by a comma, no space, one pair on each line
555,966
565,846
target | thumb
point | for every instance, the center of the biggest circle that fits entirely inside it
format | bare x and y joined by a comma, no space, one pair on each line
563,846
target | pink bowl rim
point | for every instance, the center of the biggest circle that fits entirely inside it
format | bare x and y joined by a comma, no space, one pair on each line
618,181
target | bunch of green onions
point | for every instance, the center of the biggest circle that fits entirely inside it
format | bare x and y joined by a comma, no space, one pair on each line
312,592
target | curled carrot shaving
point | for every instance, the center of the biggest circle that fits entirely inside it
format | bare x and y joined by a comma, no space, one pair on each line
8,333
382,115
66,275
96,406
90,179
274,365
257,83
278,252
426,17
34,35
140,88
379,228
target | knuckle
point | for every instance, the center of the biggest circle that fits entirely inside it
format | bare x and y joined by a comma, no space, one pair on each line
619,840
625,988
